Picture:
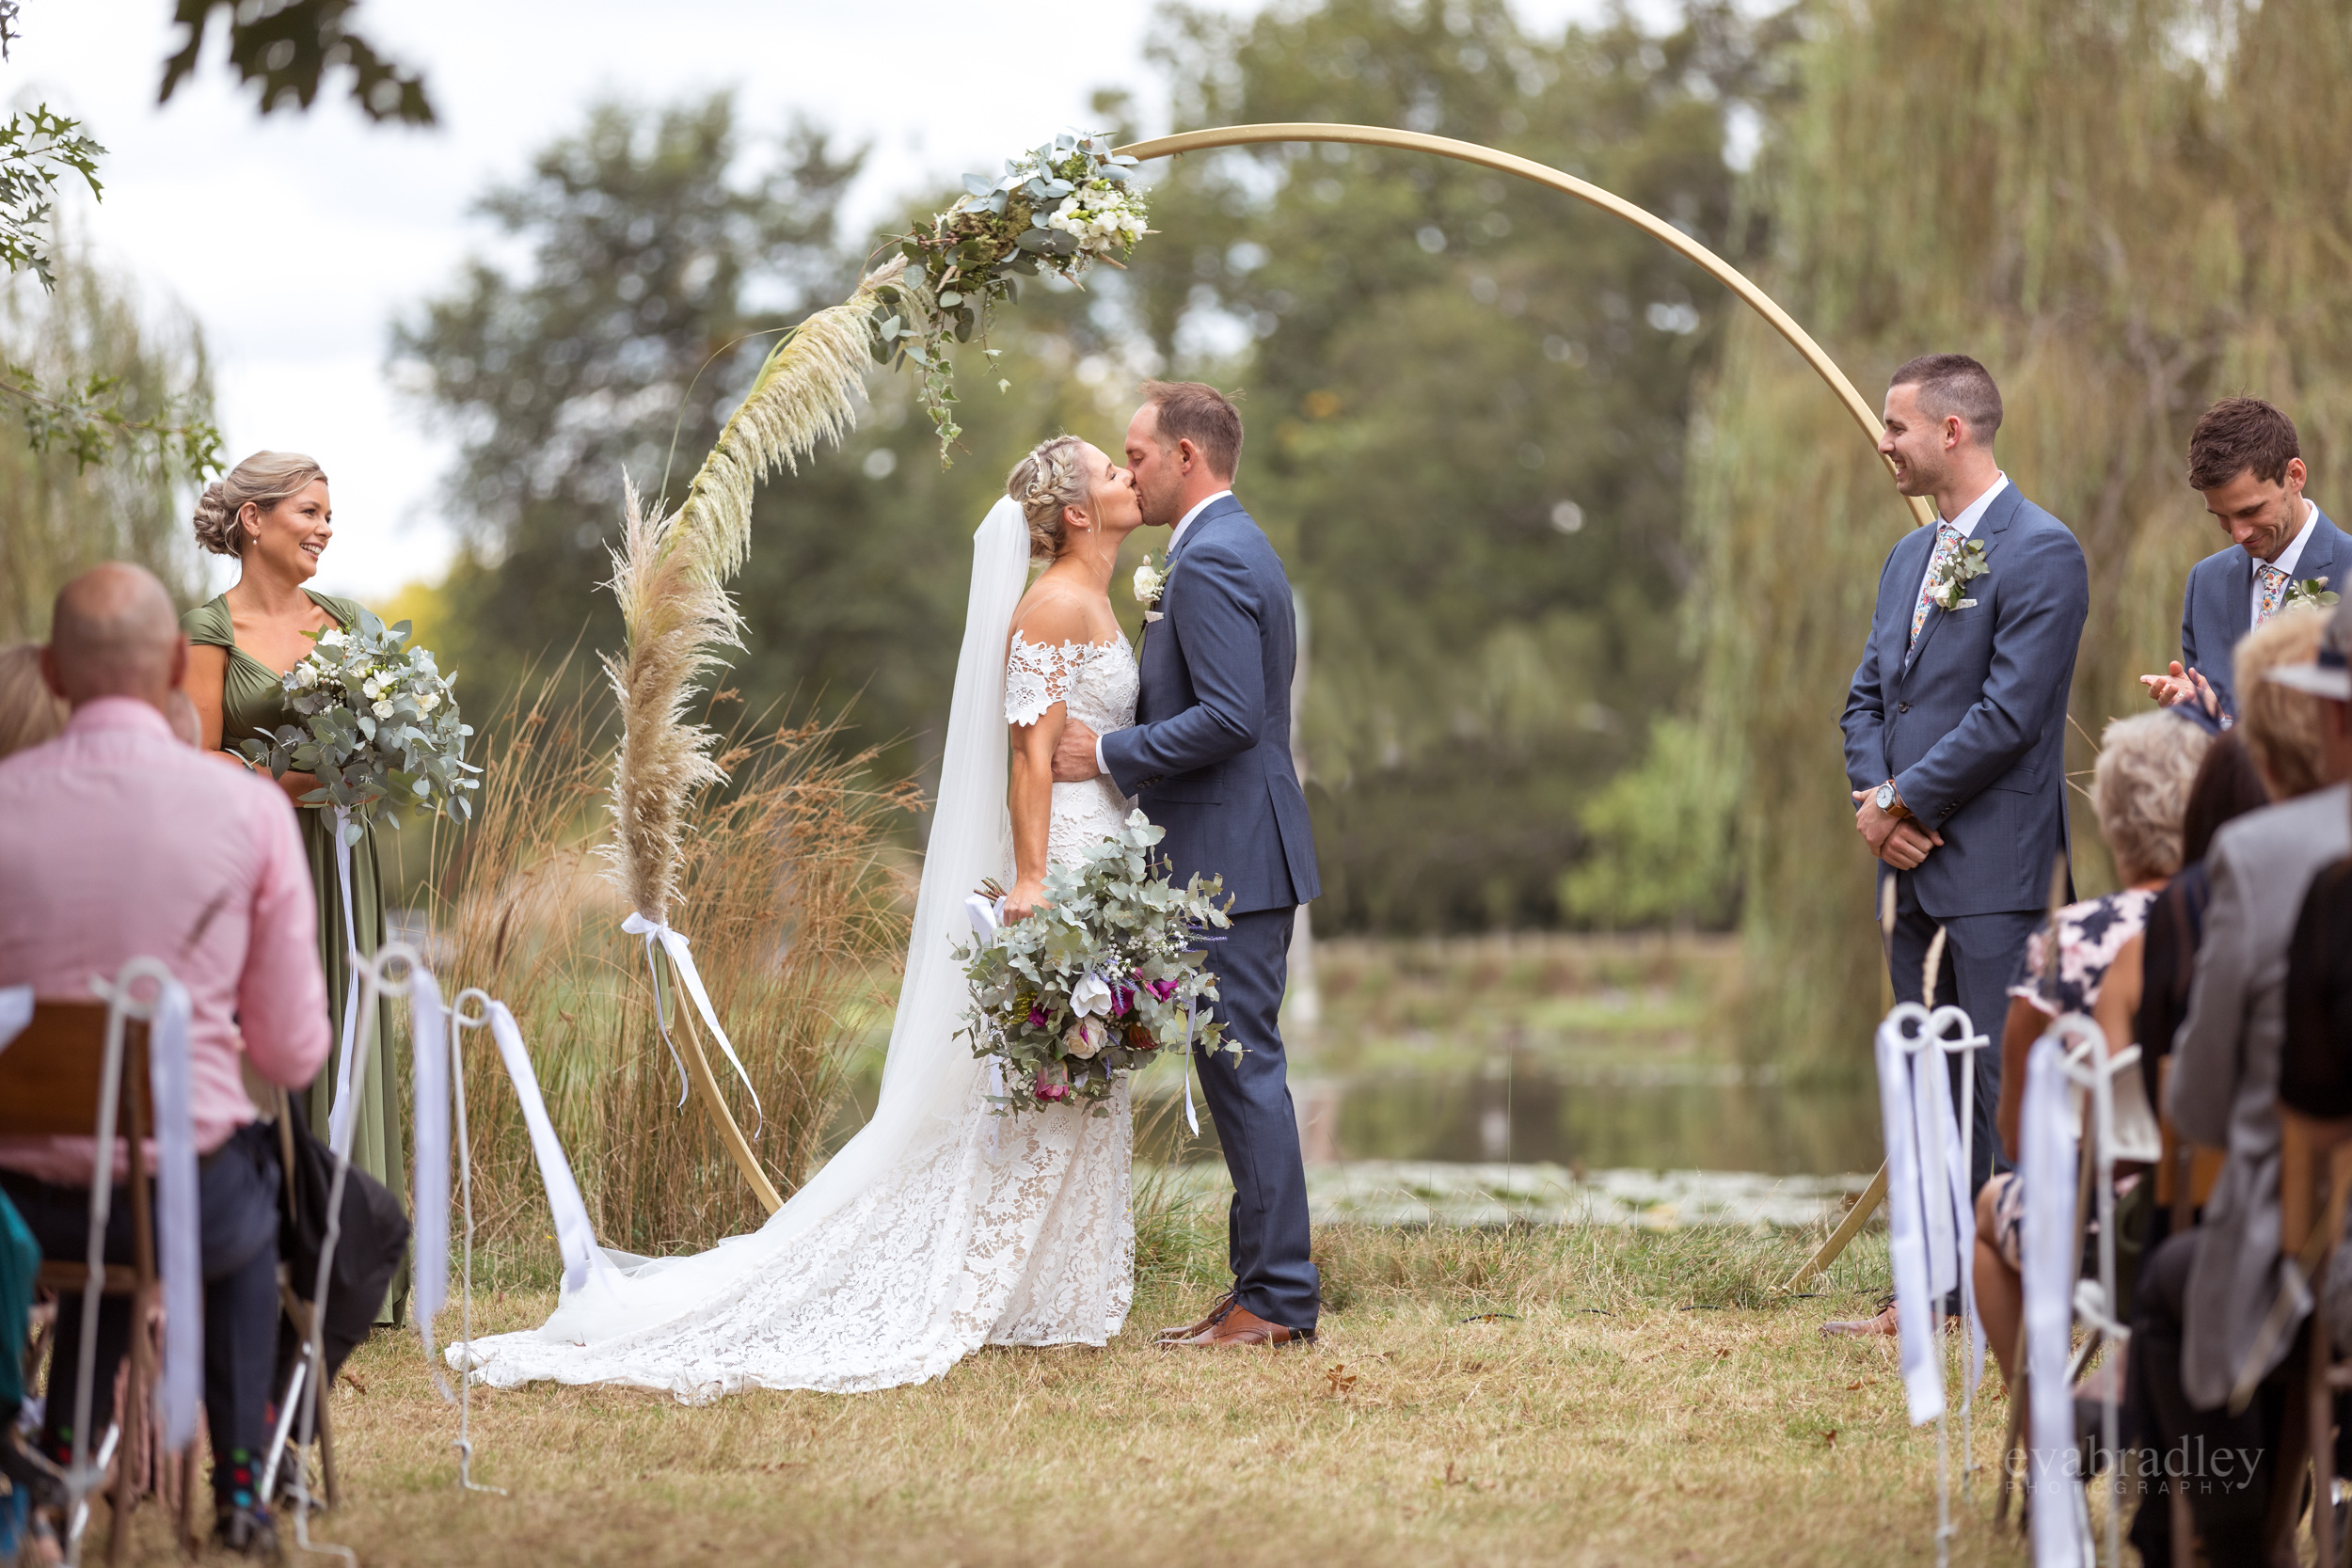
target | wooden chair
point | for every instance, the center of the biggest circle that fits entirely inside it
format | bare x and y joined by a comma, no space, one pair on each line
2314,1182
51,1079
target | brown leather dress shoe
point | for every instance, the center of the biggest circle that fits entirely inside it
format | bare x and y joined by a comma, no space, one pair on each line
1218,1309
1240,1327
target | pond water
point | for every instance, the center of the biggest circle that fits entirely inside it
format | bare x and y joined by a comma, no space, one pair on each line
1692,1118
1546,1077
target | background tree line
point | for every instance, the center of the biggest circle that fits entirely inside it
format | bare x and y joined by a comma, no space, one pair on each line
1587,560
1468,404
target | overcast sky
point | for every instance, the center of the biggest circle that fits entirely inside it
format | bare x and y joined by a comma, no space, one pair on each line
295,240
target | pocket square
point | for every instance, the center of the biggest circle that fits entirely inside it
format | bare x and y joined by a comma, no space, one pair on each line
1152,615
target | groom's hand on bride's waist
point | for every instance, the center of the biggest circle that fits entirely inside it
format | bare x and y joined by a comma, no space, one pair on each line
1075,759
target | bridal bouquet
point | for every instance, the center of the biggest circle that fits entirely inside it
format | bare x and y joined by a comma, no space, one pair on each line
1096,980
1059,207
379,727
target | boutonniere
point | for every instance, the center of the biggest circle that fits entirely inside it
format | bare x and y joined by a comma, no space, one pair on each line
1149,584
1949,586
2309,593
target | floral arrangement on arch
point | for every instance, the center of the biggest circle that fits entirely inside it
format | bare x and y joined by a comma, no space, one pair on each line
1099,979
1059,208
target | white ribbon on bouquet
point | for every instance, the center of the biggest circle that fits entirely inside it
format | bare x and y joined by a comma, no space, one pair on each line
682,965
343,1105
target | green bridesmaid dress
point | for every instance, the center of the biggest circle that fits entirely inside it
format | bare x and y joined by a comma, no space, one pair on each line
252,707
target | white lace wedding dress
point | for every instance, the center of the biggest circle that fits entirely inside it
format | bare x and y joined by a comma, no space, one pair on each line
941,1227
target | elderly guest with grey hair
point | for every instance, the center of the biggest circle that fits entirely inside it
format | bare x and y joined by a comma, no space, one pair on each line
2140,793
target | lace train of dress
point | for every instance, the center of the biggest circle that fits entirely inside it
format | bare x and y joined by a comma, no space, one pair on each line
985,1229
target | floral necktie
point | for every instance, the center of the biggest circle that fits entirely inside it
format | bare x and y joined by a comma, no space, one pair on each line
1947,546
2274,586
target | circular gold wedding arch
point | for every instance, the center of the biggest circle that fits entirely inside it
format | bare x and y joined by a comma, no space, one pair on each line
1541,174
1592,195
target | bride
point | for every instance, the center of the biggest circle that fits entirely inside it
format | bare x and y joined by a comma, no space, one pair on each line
941,1226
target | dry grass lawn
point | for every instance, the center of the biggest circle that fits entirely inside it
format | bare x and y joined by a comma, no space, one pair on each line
1650,1402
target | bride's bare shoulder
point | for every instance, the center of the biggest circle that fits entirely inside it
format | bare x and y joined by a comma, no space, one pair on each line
1053,613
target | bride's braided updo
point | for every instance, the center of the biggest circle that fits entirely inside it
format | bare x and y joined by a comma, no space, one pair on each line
1046,483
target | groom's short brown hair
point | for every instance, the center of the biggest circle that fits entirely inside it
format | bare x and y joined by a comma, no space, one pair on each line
1193,411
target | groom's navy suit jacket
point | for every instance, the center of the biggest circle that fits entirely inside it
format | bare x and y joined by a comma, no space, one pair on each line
1970,721
1209,756
2219,606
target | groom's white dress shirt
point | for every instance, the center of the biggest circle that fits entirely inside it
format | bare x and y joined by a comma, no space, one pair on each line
1174,534
1970,515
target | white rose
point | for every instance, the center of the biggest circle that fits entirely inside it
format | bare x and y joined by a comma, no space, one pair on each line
371,687
331,638
426,702
307,675
1084,1040
382,710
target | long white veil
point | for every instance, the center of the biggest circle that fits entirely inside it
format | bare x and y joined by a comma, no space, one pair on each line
928,1073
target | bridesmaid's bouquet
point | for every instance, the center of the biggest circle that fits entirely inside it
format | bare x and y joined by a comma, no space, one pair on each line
379,728
1097,981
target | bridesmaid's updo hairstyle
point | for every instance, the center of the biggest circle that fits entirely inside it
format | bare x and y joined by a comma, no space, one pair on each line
265,479
1046,483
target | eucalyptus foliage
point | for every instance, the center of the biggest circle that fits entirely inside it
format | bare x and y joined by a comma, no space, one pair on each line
380,728
1060,208
1097,981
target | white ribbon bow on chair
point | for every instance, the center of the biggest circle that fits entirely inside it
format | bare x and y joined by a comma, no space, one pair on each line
682,963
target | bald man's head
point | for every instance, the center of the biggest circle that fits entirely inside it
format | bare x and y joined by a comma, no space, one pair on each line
114,635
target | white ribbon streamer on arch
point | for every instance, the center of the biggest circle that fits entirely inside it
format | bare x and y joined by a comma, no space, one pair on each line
682,965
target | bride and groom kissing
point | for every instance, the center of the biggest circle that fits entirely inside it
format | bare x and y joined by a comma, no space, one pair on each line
943,1226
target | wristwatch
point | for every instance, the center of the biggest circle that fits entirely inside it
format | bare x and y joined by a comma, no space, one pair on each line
1890,803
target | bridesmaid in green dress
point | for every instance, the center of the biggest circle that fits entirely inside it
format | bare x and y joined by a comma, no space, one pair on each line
271,512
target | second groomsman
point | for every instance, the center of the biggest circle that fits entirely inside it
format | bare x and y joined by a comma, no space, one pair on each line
2245,458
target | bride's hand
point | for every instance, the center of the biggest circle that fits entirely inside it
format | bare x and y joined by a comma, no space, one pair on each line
1025,898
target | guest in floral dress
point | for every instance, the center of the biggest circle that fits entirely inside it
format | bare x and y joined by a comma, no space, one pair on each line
2140,792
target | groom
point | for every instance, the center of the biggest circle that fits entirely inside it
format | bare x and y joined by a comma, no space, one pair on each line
1209,759
1956,723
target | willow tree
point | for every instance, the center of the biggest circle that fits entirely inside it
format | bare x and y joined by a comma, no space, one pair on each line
2126,208
70,499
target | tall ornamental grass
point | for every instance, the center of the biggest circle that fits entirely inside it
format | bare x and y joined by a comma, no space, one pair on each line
796,921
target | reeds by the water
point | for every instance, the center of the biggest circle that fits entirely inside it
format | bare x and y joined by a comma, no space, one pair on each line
796,924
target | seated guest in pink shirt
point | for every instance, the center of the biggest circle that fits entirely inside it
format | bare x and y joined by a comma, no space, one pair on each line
119,840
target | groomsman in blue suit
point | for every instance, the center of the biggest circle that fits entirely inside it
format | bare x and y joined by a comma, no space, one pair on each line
1209,759
1956,723
2245,458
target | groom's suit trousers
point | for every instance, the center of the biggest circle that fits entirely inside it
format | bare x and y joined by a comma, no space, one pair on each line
1982,954
1250,1103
